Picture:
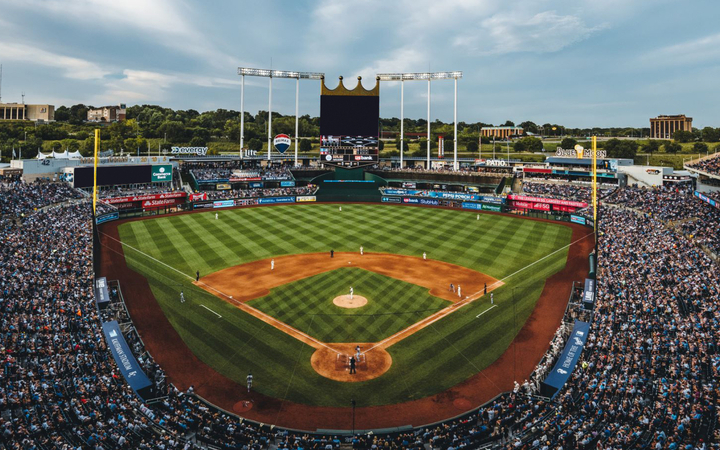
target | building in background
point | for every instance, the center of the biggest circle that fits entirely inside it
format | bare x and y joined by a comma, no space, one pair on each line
663,127
107,114
501,132
22,111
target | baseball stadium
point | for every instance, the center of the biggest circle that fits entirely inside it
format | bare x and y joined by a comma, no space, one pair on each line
342,299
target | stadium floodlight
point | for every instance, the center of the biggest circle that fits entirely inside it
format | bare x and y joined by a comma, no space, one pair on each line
423,76
269,73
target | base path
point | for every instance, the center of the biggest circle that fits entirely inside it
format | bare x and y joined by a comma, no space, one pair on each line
183,368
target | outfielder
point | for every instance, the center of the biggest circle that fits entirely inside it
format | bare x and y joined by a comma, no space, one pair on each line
340,208
182,296
249,381
492,300
216,216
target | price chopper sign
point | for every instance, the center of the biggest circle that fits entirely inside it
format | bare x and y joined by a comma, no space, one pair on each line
282,143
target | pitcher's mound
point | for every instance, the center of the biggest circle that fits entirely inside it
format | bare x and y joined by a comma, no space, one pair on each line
344,301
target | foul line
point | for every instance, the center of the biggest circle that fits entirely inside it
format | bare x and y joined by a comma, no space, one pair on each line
493,306
211,311
455,306
243,306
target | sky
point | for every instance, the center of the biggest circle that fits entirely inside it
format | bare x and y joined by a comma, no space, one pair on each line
579,63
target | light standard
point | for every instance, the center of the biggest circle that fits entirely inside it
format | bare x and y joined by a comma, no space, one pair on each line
352,402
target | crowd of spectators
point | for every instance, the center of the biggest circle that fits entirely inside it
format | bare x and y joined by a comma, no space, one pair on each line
575,192
310,189
224,170
648,377
137,189
710,165
18,198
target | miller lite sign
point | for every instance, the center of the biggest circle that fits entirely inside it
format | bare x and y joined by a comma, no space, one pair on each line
282,142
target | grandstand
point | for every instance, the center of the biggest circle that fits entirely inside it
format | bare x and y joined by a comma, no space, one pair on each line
646,378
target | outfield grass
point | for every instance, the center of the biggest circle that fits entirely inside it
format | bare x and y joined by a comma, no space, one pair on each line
431,360
393,305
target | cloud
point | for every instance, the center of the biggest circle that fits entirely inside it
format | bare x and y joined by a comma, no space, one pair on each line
513,31
696,51
71,67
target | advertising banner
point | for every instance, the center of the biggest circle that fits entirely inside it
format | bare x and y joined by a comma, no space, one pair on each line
160,203
305,198
282,142
255,185
552,201
199,151
107,217
391,199
577,219
223,203
429,201
270,200
411,200
531,205
161,173
468,205
137,198
246,202
203,205
237,179
494,208
409,185
102,295
223,187
287,184
198,197
706,199
589,293
129,367
567,361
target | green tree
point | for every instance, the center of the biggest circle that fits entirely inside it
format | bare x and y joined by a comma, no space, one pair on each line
651,146
305,145
529,127
381,145
528,144
710,134
197,141
700,147
255,144
62,114
683,136
472,146
568,143
672,147
404,142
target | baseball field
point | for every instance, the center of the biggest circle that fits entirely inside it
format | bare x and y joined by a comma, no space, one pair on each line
264,300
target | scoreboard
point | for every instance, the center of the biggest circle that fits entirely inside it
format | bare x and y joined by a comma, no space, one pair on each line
348,150
349,124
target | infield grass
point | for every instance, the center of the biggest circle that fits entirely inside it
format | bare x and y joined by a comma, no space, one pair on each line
431,360
307,305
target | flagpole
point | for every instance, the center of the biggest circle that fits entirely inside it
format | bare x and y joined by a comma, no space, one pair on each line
97,141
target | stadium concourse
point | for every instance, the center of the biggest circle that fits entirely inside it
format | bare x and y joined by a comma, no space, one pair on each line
647,378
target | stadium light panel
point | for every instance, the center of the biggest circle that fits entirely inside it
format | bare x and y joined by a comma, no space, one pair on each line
279,73
419,76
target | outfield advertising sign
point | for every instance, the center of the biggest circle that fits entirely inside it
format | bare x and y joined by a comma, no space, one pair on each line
287,184
577,219
271,200
223,203
305,198
161,173
391,199
482,207
107,217
445,195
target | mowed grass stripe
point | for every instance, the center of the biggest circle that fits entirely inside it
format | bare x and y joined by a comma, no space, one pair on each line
497,245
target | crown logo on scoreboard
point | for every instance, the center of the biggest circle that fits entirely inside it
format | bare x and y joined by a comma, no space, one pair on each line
282,142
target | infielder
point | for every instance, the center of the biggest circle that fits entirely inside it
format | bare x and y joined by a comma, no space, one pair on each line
182,296
351,293
424,256
361,250
459,294
272,264
249,381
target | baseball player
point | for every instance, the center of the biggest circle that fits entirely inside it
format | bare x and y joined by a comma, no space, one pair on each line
272,264
249,381
197,276
351,293
357,352
478,217
216,216
182,296
340,208
459,290
452,287
361,250
492,300
424,256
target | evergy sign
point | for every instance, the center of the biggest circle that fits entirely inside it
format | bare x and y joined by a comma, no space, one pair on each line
200,151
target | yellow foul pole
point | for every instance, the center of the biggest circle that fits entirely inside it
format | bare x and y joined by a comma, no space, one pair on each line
594,184
97,144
